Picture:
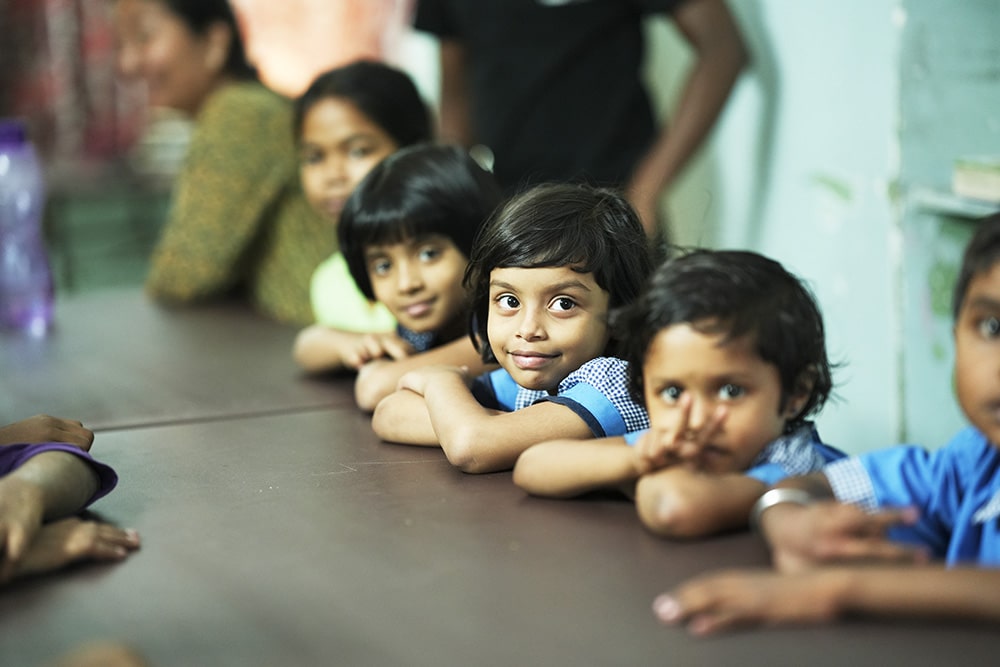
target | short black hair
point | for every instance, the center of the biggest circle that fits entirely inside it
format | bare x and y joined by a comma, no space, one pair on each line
593,230
735,293
200,15
980,255
384,94
417,191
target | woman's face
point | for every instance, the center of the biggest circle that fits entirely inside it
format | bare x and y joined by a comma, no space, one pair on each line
179,67
338,146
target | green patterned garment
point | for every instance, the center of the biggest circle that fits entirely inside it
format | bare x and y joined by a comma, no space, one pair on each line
238,221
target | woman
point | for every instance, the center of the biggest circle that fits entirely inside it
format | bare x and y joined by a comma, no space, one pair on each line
239,223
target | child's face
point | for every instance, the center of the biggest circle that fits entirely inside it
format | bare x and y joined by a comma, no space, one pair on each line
544,323
729,381
419,280
977,353
338,147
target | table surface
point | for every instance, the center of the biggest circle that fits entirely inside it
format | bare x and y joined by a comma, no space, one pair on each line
295,537
116,360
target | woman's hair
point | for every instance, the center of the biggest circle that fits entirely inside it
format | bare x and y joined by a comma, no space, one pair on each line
980,255
200,15
589,229
736,294
415,192
384,94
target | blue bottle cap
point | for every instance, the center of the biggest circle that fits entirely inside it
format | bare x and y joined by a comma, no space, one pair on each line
12,132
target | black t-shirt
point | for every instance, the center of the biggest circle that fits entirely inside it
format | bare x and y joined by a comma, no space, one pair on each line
556,88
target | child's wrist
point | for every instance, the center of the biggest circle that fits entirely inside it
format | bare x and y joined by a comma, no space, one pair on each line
773,498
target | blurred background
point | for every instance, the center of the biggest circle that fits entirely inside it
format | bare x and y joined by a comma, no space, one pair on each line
835,156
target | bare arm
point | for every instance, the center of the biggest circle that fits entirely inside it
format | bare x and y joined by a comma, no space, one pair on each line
567,468
319,348
474,438
44,428
377,379
720,55
724,601
455,120
679,503
48,486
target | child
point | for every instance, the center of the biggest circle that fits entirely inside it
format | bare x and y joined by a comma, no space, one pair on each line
47,482
727,350
950,501
345,123
543,275
406,234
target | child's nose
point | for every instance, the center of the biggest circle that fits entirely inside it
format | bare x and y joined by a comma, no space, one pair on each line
410,279
530,327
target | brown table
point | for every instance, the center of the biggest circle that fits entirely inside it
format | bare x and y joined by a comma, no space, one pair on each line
115,360
299,539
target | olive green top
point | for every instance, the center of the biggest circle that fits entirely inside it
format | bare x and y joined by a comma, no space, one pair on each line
238,220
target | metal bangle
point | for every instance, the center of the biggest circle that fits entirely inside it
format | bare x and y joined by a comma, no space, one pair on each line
777,497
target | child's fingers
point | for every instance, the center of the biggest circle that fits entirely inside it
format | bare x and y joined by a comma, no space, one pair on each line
396,348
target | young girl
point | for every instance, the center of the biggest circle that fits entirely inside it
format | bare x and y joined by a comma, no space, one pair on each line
406,234
345,123
727,350
944,504
543,275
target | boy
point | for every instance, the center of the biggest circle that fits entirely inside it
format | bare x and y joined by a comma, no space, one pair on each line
950,502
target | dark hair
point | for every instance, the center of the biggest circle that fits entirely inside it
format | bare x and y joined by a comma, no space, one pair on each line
590,229
980,255
416,191
200,15
736,293
384,94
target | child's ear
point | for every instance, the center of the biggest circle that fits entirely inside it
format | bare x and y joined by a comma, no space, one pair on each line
796,401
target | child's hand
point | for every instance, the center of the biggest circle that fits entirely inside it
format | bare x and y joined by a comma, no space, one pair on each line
71,540
21,514
729,600
418,380
44,428
802,537
661,448
376,346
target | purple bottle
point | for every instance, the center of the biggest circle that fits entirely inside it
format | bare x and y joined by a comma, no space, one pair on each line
26,288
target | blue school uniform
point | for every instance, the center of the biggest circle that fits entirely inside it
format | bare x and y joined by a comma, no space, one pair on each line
956,489
796,453
597,392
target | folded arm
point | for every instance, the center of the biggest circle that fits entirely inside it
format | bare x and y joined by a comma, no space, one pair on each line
567,468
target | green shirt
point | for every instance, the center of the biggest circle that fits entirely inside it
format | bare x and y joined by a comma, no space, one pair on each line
238,220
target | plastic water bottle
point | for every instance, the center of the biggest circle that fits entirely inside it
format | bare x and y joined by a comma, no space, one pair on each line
26,287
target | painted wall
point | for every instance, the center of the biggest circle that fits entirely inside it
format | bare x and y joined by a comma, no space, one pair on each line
849,110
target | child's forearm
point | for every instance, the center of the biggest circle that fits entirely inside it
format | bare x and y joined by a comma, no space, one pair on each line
378,379
459,421
932,591
318,348
66,482
567,468
678,503
402,417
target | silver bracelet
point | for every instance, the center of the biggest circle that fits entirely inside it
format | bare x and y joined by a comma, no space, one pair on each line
777,497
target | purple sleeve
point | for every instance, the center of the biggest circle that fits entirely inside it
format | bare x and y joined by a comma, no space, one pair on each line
14,456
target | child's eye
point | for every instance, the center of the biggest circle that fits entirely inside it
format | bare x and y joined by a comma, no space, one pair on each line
671,393
731,391
359,152
989,327
563,304
429,253
379,267
508,302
